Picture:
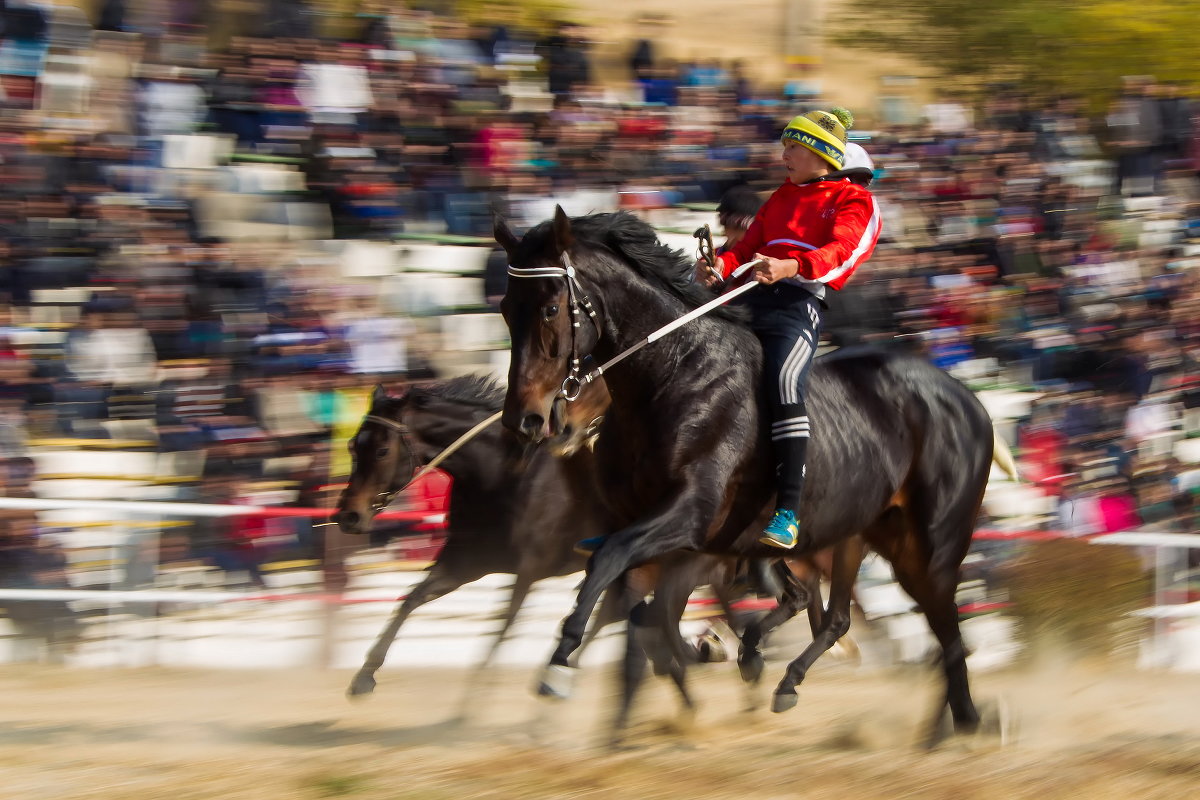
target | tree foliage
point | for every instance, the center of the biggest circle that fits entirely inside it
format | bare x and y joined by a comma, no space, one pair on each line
535,15
1073,46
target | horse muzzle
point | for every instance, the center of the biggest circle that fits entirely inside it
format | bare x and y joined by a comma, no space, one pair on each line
529,427
350,521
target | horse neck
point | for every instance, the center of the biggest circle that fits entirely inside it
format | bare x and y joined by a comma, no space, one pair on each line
632,309
478,464
631,306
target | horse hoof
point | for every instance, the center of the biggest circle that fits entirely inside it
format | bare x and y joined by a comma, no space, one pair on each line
617,744
751,667
685,721
941,729
997,722
361,685
711,650
556,682
784,702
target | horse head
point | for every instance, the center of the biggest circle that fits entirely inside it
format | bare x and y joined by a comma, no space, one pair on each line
549,323
386,454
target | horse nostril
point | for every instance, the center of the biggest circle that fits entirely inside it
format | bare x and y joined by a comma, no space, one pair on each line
347,520
532,425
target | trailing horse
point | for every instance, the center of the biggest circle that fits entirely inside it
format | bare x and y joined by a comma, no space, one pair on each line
900,460
521,522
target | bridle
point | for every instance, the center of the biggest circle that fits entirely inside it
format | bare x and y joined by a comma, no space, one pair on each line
573,384
578,303
384,498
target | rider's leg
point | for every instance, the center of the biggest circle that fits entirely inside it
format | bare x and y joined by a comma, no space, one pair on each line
788,323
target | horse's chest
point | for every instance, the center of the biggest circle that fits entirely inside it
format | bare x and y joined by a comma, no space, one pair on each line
630,490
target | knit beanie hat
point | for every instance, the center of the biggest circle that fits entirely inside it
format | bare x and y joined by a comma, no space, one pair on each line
823,132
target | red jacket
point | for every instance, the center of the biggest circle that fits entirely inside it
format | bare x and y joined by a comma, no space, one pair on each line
828,226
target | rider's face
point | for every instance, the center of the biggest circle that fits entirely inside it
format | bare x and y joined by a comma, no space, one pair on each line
801,163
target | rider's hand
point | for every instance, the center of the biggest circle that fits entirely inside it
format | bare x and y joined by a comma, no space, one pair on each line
770,270
704,275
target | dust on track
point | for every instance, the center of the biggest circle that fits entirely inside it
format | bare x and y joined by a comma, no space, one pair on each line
182,735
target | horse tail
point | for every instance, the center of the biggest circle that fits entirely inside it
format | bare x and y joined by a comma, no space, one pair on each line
1002,456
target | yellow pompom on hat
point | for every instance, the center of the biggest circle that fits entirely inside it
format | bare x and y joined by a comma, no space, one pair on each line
823,132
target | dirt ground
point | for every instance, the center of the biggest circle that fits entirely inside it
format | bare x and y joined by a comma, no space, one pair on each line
179,735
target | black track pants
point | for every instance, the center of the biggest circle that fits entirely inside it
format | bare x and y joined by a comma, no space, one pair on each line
787,321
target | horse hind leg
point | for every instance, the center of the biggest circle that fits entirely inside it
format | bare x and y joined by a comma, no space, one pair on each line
932,583
848,555
797,594
437,583
516,600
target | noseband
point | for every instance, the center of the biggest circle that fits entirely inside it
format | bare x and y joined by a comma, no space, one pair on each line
579,304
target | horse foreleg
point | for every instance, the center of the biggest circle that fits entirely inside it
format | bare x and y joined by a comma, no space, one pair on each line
672,600
619,601
848,555
817,566
516,599
633,673
520,591
667,531
653,635
437,583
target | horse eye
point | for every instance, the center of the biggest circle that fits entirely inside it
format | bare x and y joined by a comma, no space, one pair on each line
550,312
381,452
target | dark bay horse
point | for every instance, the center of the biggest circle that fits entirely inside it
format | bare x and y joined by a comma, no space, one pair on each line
498,523
900,459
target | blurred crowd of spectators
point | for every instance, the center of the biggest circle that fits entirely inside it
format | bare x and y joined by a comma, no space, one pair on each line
1019,252
1031,243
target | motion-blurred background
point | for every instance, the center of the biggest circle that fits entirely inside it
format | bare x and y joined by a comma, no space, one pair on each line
223,221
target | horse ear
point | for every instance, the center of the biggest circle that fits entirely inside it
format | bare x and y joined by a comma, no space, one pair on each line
504,235
379,395
562,231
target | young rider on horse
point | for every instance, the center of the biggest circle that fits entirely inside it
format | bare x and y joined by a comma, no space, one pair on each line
809,236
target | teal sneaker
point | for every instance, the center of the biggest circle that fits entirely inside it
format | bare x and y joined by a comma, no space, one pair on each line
782,531
585,547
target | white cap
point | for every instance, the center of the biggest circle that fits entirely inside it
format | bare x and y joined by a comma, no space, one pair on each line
856,157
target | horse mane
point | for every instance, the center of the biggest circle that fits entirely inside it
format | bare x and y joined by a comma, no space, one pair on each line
636,243
473,390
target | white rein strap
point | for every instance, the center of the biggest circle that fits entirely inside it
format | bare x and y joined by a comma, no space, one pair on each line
568,271
454,446
457,443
